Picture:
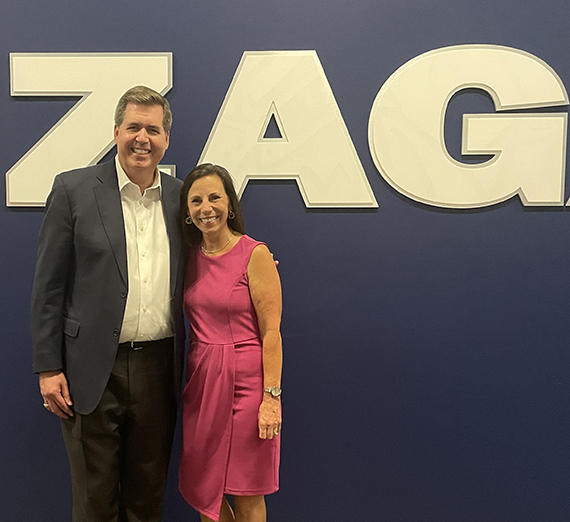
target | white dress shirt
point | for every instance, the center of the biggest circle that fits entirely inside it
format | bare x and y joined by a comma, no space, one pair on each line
147,314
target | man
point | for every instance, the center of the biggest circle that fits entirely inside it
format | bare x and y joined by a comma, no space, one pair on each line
107,320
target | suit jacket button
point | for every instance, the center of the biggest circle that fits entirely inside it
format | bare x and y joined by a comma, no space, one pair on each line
116,332
123,294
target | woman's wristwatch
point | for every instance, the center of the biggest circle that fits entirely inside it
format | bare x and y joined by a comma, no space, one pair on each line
274,391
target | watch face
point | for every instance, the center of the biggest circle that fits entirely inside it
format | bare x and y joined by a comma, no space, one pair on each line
275,391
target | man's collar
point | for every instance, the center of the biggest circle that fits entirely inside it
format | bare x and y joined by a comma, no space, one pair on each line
124,180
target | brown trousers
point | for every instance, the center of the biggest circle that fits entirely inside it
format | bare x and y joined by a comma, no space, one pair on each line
119,454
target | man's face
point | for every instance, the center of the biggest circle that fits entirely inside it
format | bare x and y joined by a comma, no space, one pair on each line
141,139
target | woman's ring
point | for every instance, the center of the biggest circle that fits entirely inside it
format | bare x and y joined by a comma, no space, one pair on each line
276,432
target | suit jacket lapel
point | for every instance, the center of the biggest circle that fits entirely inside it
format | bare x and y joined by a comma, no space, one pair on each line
108,200
170,206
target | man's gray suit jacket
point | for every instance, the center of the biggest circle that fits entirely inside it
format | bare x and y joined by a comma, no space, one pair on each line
81,280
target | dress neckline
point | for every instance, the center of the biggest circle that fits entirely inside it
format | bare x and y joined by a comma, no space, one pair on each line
221,255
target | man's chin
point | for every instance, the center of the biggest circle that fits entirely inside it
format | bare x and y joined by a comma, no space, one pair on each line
142,164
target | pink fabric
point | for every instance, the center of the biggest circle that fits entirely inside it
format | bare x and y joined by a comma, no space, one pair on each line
221,448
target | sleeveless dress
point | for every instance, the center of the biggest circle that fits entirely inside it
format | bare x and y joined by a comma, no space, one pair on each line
221,448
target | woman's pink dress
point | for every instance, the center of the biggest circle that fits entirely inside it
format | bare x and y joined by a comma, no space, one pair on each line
221,448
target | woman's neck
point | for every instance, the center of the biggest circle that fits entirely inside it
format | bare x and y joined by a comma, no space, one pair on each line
217,243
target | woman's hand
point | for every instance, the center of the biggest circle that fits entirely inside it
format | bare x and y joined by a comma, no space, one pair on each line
269,419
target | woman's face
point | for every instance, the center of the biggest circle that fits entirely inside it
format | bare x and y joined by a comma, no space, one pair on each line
208,204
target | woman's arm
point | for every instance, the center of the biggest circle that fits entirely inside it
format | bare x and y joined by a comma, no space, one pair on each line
265,290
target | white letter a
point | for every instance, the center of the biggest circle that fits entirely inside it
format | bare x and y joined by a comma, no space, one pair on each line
288,90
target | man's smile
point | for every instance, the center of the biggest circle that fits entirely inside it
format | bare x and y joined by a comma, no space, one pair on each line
140,151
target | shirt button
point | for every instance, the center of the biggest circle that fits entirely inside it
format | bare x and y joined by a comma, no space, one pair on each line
144,308
144,254
141,229
116,332
123,294
145,280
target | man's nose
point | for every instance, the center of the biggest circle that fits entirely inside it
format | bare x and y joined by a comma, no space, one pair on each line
142,136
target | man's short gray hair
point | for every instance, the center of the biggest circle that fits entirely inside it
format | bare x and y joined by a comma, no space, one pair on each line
143,95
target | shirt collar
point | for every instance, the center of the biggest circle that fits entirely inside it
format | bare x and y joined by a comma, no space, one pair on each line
124,180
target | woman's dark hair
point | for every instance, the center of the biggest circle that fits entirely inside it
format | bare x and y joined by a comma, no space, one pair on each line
191,233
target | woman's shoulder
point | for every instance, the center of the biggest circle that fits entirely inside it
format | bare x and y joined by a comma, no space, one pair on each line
250,248
250,243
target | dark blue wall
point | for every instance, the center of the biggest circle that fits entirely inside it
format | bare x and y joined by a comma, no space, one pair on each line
426,359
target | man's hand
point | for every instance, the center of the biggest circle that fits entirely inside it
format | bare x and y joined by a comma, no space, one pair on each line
55,391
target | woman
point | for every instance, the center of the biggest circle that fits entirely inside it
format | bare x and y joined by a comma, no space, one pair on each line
231,412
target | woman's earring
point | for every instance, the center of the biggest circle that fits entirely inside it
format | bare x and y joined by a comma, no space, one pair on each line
188,220
231,214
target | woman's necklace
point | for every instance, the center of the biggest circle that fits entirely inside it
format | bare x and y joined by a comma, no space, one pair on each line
217,250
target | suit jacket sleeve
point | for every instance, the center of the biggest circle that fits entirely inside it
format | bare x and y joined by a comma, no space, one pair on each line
53,266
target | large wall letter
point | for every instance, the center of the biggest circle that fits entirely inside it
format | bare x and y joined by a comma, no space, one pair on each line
288,89
100,79
407,139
